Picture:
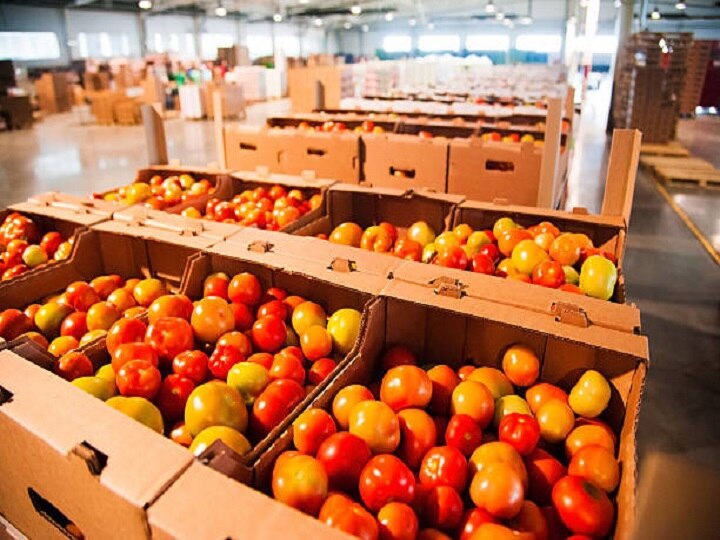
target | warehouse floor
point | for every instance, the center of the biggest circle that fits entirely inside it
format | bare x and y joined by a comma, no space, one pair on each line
670,276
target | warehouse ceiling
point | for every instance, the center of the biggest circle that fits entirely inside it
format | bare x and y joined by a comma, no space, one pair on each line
390,12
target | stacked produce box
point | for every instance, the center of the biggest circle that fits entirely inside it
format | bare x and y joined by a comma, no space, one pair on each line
268,368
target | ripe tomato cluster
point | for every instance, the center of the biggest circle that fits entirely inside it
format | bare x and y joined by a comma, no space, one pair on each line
272,209
512,138
160,193
82,313
540,254
23,246
367,126
230,366
473,453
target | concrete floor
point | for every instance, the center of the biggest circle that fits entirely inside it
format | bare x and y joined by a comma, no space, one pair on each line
673,281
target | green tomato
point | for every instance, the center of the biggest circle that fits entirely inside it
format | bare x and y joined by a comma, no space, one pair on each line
590,395
231,437
510,404
215,404
344,329
598,276
248,378
96,386
106,372
571,275
139,409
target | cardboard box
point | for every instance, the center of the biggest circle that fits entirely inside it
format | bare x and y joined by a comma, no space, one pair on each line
248,148
405,162
448,330
70,465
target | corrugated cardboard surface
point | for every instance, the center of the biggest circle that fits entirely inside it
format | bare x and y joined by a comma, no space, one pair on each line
420,163
222,508
246,149
49,430
329,155
472,170
59,206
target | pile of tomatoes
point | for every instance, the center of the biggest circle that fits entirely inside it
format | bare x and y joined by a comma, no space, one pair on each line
79,315
367,126
230,366
23,246
272,209
161,193
473,453
540,254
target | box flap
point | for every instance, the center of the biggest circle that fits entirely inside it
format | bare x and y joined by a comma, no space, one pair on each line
594,335
230,510
140,463
67,207
621,173
158,225
349,267
393,192
291,180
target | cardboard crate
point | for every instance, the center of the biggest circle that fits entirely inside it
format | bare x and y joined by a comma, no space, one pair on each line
248,148
351,121
72,465
447,330
405,162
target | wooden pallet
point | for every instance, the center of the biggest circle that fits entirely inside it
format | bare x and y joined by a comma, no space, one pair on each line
706,178
669,149
690,163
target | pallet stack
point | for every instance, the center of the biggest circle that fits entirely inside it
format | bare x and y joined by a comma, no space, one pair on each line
698,58
651,75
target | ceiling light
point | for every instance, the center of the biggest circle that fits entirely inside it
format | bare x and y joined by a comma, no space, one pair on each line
356,9
303,2
145,4
318,21
431,26
499,16
490,7
389,16
618,3
527,19
681,6
412,22
278,17
365,28
220,11
347,25
655,15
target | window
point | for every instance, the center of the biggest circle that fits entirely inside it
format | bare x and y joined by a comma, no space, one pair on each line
101,45
289,45
397,44
209,44
487,42
29,45
601,44
540,43
439,43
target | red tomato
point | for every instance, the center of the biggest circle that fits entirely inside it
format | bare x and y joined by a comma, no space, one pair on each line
406,386
443,508
397,356
72,365
482,264
274,307
548,274
340,512
521,431
125,331
191,364
133,351
531,519
310,430
397,522
543,472
222,359
271,407
492,251
451,257
418,434
263,358
320,370
463,433
243,316
300,482
170,336
173,394
583,507
344,455
245,288
238,340
269,333
138,378
385,479
286,366
216,285
50,242
472,520
444,466
74,325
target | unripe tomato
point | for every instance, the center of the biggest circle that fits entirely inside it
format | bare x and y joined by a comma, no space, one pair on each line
300,482
590,395
386,479
539,394
492,452
211,318
215,404
231,437
475,400
556,420
406,386
316,343
586,435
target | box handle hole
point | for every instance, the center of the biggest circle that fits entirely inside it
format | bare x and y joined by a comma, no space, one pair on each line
247,146
93,458
402,173
502,166
6,395
315,152
51,513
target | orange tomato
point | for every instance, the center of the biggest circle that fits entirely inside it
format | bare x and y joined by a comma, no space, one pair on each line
286,366
521,365
417,435
432,534
586,435
316,343
170,305
498,451
444,380
346,399
237,340
548,228
300,482
377,425
511,238
531,519
565,250
556,420
498,489
342,513
211,318
406,386
397,522
598,464
475,400
310,429
539,394
495,531
465,371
